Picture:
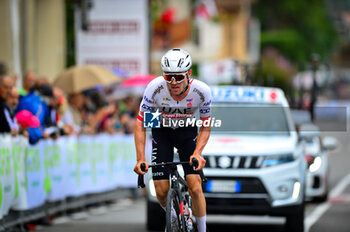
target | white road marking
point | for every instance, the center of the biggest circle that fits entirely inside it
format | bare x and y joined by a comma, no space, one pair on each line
245,219
322,208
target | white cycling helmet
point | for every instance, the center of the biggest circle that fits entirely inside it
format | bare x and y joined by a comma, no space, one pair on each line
176,60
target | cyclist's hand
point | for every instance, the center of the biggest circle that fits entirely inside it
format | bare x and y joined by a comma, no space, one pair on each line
201,161
138,170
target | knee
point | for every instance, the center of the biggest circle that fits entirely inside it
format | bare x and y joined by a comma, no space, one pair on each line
161,192
195,190
162,189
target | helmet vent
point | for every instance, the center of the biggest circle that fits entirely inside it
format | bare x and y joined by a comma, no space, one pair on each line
167,62
176,49
181,61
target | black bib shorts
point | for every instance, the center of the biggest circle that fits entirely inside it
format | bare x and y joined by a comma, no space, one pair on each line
164,140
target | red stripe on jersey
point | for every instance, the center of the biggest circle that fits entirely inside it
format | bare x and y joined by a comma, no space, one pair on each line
191,80
140,118
206,118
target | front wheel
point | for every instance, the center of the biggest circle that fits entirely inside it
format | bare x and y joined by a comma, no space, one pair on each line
173,224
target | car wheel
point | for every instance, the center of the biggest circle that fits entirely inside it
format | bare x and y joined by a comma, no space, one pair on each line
155,216
295,220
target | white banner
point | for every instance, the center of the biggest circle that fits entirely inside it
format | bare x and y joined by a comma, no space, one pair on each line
56,168
38,182
7,171
224,71
6,175
118,35
69,166
19,145
72,168
100,163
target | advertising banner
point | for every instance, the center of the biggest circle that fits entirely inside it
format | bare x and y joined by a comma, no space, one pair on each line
72,167
56,168
38,182
117,35
19,145
7,172
69,166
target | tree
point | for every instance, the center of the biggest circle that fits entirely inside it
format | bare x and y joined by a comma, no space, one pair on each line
296,28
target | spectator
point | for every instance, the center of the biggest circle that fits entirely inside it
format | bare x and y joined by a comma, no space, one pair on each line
110,123
42,81
33,103
75,110
28,84
128,117
49,106
6,120
61,107
12,100
12,103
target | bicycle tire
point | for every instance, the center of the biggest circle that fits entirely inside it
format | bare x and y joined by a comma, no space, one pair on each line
173,200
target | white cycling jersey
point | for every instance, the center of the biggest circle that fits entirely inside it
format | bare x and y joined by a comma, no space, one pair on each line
157,96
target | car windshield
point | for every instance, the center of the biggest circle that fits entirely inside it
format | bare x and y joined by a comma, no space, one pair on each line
262,119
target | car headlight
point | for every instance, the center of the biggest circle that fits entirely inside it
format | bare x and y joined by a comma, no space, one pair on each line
277,160
316,164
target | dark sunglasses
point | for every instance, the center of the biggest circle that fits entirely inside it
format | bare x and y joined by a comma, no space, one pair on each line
179,77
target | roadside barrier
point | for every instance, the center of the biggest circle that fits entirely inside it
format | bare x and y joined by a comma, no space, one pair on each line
52,171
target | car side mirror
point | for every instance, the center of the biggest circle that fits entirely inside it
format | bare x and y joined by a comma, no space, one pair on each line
329,143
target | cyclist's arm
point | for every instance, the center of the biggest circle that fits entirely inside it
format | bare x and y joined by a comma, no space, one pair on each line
204,131
140,141
202,140
140,131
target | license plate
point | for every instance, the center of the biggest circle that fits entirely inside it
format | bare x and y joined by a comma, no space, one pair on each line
223,186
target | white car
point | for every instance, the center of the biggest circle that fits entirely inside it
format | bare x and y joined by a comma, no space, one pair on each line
316,155
255,163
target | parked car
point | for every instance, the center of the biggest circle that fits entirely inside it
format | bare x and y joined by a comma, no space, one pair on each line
316,155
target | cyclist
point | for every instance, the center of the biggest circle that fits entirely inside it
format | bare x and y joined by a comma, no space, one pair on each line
177,97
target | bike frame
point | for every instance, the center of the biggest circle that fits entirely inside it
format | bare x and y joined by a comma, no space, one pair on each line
175,181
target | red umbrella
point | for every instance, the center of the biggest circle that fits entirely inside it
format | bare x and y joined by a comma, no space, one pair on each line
134,86
138,80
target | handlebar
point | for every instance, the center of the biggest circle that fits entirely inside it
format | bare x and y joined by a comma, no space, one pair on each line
141,183
195,164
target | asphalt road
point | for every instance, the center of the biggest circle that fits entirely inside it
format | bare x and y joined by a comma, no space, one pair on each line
333,215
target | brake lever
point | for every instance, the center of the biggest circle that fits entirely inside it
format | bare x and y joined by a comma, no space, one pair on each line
201,173
140,181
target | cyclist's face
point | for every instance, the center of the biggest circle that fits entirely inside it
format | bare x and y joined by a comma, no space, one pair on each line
176,88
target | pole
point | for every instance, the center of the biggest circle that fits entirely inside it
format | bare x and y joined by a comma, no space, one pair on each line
314,89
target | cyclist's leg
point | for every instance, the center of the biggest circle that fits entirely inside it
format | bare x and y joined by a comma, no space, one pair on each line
186,148
198,201
195,189
162,151
162,188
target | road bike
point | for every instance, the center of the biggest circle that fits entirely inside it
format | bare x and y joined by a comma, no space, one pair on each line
178,198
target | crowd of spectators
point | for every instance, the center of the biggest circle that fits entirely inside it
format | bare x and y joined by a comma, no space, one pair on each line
40,110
